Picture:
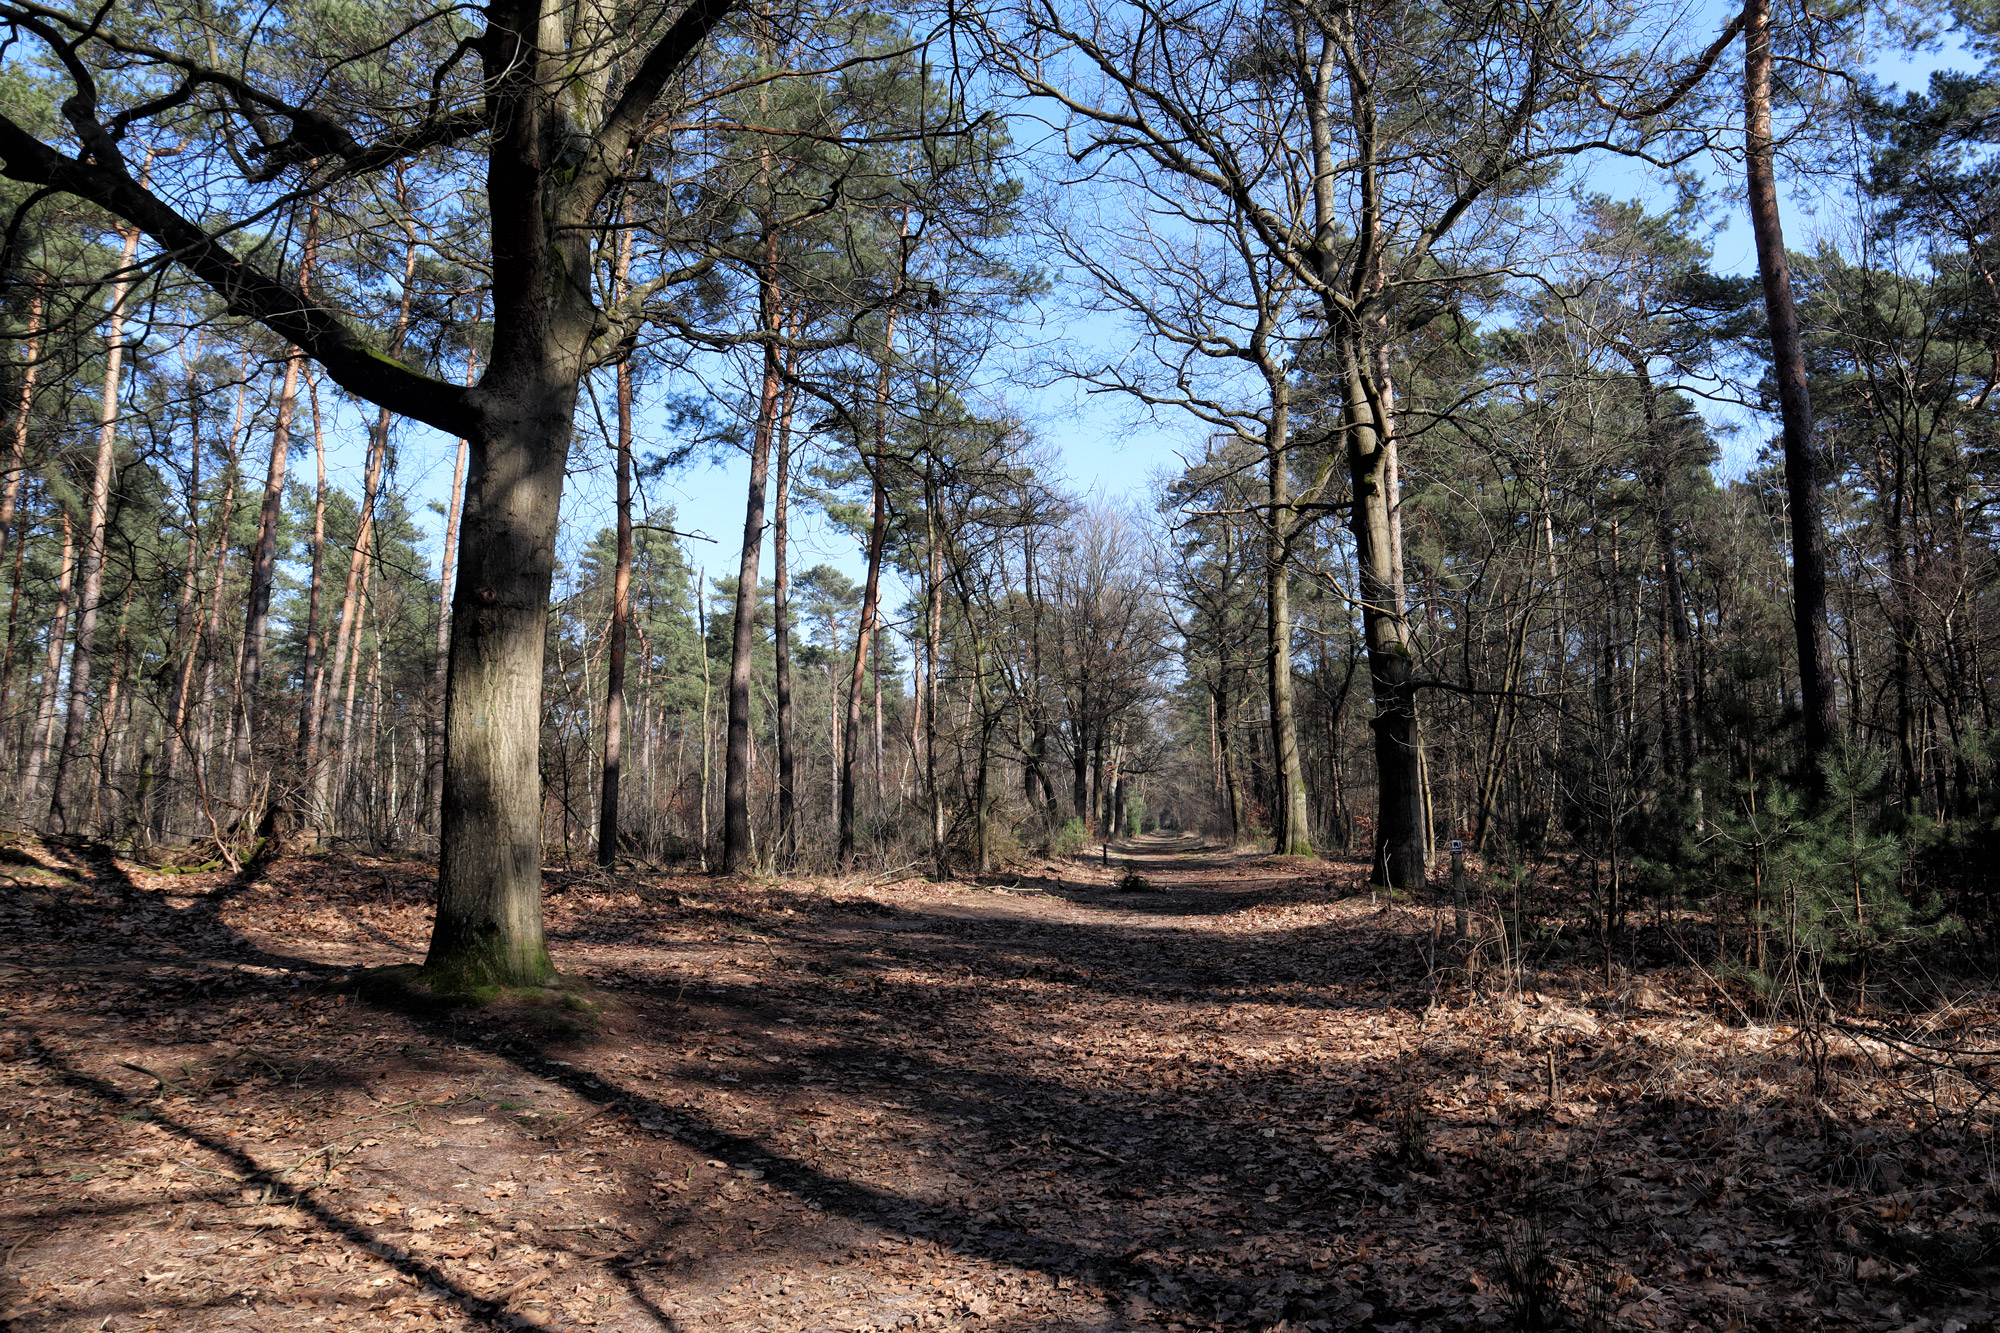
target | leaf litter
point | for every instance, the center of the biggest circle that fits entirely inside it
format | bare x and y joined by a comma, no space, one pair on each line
1241,1101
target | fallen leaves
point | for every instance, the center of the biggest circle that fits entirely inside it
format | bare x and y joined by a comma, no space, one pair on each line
1230,1102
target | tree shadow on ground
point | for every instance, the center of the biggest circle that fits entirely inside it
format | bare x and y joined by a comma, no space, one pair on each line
1166,1181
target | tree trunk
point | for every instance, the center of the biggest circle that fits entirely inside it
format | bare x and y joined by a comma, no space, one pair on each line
1232,784
621,617
263,572
45,710
1290,829
489,916
787,851
1677,721
1399,826
264,559
737,847
933,633
17,459
349,631
344,761
187,639
707,701
62,817
434,770
1802,472
1399,838
326,690
314,649
878,528
10,494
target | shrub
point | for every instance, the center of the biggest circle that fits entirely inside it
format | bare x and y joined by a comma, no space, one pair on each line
1069,839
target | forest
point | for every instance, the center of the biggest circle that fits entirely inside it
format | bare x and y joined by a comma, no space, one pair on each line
1494,833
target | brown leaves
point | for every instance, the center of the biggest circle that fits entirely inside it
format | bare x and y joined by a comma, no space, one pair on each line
1223,1104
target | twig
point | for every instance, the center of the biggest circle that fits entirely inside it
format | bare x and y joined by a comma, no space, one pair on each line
1094,1152
513,1289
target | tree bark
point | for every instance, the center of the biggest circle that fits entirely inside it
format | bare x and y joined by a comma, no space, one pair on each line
737,846
10,494
1399,860
878,527
63,814
348,691
1290,827
17,459
264,559
313,664
1399,837
1802,471
45,710
263,572
434,771
621,599
787,850
621,620
326,689
347,636
933,633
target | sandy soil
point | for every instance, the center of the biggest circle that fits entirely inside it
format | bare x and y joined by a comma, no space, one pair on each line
1232,1093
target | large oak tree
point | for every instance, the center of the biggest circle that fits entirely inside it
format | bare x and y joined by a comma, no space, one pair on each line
553,102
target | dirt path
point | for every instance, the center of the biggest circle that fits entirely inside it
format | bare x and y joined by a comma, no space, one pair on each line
1039,1102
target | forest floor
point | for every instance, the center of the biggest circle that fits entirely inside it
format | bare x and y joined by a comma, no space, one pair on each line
1229,1095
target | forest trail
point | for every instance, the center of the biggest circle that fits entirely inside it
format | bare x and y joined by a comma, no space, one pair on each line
1229,1099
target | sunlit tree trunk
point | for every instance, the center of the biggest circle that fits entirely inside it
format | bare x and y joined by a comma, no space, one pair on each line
263,572
12,542
64,814
737,846
878,527
343,763
1291,832
264,560
45,710
17,454
933,635
787,850
315,649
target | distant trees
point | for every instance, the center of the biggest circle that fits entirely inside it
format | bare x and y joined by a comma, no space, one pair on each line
1346,176
1454,457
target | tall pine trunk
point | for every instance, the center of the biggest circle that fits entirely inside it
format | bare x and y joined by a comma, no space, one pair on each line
871,595
621,618
63,815
264,560
263,574
17,455
621,599
185,644
45,709
1292,835
787,850
326,689
1788,361
315,650
738,849
10,494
